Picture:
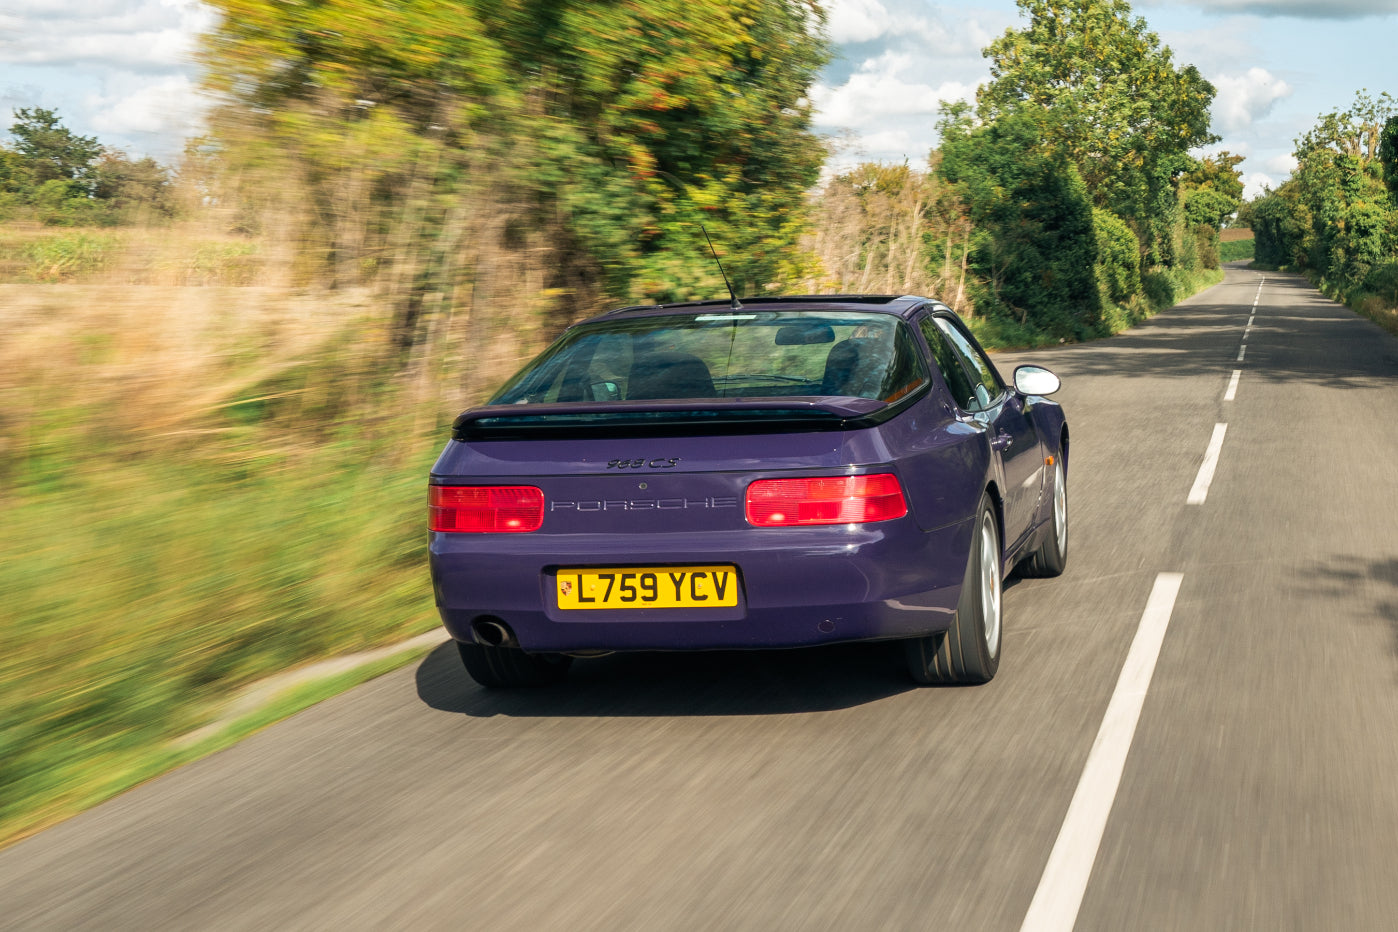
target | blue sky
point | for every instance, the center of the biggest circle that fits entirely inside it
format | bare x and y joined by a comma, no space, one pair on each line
120,69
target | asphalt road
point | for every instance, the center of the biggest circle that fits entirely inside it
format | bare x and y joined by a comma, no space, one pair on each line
819,789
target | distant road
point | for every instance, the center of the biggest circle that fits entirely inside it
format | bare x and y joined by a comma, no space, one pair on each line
820,790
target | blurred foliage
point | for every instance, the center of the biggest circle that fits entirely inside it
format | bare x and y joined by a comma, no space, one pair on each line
440,146
200,488
1336,218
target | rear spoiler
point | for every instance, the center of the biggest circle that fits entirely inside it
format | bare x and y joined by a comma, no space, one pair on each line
705,417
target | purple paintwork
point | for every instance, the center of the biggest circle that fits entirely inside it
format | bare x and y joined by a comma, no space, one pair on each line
683,504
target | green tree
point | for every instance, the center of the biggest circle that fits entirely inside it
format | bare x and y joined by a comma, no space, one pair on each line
1114,103
129,186
1213,189
1388,155
51,150
1340,180
1034,242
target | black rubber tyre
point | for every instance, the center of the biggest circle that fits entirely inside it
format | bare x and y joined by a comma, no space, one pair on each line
1051,558
969,651
506,667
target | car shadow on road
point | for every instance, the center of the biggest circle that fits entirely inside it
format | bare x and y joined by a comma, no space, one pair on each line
699,683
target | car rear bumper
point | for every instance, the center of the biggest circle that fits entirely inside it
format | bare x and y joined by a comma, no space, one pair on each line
800,586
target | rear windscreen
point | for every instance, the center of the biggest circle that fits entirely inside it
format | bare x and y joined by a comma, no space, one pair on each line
734,354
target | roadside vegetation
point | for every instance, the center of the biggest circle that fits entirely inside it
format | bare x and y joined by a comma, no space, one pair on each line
224,381
1063,206
1236,244
1336,218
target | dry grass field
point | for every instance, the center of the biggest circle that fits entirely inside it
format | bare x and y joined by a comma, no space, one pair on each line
206,476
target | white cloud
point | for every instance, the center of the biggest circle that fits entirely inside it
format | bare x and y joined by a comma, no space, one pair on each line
1303,9
138,35
879,90
1283,164
905,24
1254,183
167,107
858,20
1245,98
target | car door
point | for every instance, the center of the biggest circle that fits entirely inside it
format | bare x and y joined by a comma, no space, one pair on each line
1003,413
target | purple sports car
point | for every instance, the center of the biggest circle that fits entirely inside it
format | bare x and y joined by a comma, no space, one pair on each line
784,472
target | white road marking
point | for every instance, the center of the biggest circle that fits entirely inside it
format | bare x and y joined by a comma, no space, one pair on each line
1200,490
1250,320
1241,351
1059,896
1233,385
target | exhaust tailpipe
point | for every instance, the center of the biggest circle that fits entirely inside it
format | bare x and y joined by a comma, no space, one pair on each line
491,633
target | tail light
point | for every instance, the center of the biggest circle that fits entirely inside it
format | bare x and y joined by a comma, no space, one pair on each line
483,509
825,500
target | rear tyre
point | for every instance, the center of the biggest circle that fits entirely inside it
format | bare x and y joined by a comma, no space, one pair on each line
506,667
1052,556
969,651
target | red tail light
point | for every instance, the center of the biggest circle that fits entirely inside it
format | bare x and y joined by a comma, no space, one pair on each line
483,509
825,500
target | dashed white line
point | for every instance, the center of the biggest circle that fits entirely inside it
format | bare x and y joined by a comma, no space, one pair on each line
1242,350
1059,896
1233,385
1205,478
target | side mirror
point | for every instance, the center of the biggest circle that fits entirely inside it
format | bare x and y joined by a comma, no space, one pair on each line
1036,380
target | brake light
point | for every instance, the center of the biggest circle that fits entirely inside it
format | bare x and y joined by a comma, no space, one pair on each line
479,509
825,500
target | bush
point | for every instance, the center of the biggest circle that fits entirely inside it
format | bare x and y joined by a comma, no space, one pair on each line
1382,281
67,256
1118,264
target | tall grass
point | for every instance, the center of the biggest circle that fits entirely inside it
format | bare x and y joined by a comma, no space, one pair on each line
199,486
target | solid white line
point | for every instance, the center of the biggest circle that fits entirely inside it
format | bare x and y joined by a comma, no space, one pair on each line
1200,490
1233,385
1241,351
1059,896
1251,319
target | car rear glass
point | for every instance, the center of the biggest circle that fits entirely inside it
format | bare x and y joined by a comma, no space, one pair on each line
724,354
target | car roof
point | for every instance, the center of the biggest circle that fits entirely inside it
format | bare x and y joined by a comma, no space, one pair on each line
897,305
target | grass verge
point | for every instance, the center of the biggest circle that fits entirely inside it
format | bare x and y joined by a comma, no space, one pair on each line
151,590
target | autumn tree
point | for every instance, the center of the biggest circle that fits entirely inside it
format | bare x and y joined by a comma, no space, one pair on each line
447,144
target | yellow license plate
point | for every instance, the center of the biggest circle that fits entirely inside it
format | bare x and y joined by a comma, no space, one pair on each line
648,587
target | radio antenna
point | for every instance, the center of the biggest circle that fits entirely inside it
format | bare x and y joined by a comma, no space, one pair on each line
733,297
